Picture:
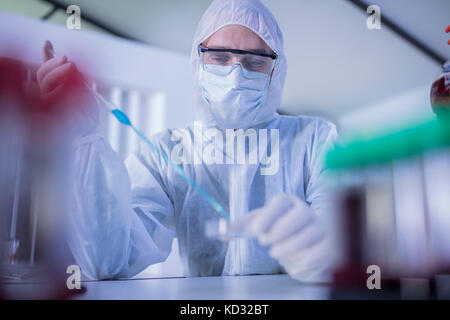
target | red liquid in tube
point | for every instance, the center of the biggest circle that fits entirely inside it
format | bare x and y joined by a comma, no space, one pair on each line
440,94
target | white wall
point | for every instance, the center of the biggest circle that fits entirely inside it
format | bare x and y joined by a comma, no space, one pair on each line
407,108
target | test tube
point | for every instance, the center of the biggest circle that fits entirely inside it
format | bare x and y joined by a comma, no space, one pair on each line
233,228
224,230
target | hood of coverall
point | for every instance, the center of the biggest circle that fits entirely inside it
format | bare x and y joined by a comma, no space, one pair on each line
256,17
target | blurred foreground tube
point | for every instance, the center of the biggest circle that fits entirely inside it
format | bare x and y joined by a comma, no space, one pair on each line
392,194
35,185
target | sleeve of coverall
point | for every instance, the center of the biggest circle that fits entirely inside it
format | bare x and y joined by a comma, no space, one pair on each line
324,138
117,228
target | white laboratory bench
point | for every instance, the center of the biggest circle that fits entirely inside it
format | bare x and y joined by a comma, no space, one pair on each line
258,287
262,287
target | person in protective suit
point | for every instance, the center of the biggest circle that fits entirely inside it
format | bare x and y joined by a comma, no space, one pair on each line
125,216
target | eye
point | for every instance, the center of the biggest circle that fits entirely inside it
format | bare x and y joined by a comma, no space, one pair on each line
217,58
255,63
220,59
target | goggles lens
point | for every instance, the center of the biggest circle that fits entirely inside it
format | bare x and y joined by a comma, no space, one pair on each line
255,63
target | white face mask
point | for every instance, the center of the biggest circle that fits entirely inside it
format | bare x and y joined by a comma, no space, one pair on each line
234,95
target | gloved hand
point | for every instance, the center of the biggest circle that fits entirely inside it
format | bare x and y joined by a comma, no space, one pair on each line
296,237
63,86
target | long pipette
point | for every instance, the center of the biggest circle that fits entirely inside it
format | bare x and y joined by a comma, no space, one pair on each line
124,119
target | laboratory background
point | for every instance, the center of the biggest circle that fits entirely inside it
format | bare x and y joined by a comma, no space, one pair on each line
374,84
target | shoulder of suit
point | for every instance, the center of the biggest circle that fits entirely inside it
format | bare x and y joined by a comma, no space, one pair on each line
301,122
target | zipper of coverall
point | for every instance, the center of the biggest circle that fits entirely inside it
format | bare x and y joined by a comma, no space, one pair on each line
234,214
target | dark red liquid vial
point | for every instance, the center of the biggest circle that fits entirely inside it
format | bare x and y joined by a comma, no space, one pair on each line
440,93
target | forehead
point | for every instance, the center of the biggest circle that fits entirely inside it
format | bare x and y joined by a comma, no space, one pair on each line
237,37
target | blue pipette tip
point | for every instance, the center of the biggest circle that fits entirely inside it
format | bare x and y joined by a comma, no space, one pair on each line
122,117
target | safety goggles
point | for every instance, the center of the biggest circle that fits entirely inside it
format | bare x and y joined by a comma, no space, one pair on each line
256,64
